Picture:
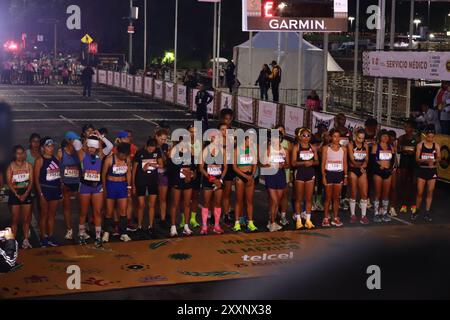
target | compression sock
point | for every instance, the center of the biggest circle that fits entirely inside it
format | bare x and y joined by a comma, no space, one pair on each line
123,225
204,217
363,204
352,206
98,232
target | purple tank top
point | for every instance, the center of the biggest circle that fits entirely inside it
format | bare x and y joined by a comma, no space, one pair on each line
91,169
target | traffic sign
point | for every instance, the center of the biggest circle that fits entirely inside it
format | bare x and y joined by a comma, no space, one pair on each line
87,39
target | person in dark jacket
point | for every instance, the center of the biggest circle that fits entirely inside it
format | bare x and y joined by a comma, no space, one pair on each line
8,250
229,75
202,99
86,78
275,79
263,82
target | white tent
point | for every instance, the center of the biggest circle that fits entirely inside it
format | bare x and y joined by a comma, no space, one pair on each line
267,46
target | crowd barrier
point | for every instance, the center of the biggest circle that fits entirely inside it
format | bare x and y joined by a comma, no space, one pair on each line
247,110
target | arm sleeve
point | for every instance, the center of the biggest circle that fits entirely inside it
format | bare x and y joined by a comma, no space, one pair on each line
77,145
109,146
8,255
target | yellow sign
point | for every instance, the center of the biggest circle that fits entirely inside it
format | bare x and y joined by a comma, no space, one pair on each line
87,39
444,165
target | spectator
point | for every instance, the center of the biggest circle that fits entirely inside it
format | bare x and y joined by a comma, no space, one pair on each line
312,104
263,82
229,75
86,78
428,116
202,99
65,75
275,78
445,113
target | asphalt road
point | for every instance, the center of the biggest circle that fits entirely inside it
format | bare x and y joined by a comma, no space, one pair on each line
53,110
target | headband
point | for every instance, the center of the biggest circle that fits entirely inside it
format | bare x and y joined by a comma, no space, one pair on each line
91,143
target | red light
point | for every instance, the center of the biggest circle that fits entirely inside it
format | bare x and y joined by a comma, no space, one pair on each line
11,46
268,7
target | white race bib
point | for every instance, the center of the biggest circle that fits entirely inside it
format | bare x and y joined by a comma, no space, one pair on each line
91,175
119,170
359,156
149,164
336,166
71,172
306,155
245,159
427,156
53,175
385,155
214,170
20,177
344,142
277,158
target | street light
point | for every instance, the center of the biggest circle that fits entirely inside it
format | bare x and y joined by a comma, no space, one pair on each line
417,22
351,19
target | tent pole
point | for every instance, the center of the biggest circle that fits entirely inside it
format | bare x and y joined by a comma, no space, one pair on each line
218,45
325,71
408,83
214,47
300,70
390,81
279,48
355,58
250,57
380,81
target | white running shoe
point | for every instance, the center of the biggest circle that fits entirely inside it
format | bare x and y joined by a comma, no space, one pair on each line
277,226
392,212
272,227
303,215
173,231
186,230
69,235
125,238
105,237
26,244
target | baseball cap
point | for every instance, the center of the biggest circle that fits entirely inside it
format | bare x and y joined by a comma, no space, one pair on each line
122,134
70,135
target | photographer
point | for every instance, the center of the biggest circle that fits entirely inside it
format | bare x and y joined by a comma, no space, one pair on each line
8,250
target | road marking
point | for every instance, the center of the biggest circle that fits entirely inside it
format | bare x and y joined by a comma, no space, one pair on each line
96,110
146,120
42,103
101,120
68,120
402,221
105,103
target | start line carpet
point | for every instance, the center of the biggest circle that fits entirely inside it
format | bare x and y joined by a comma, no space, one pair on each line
43,271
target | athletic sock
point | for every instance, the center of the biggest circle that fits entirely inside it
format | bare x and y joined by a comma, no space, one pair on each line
98,232
363,204
385,204
204,217
109,225
81,229
352,206
122,225
376,207
217,214
308,216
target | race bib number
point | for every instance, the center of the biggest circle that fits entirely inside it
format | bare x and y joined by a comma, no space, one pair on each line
214,170
427,156
277,158
71,172
119,170
246,159
182,175
20,177
90,175
306,155
385,155
409,148
359,156
335,166
149,165
53,175
344,142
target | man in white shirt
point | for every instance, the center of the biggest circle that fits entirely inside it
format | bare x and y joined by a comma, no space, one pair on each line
428,116
445,113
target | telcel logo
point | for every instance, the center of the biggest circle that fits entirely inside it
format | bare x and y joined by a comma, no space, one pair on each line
269,257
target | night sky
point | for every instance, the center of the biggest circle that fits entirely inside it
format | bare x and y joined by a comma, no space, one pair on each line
102,19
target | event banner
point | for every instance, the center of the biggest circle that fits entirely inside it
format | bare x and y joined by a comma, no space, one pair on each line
267,114
117,79
407,65
130,83
95,76
181,95
398,131
245,109
322,118
169,92
110,78
353,124
102,77
138,84
293,119
123,82
444,164
158,89
210,105
148,86
226,101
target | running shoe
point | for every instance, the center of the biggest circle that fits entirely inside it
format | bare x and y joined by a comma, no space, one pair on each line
44,243
81,240
314,206
237,226
52,242
404,209
228,218
272,227
377,218
193,222
309,225
392,212
204,230
218,230
369,204
337,222
173,231
295,216
414,216
105,237
326,222
344,204
186,230
98,243
364,220
243,221
386,218
69,235
298,223
251,226
303,215
26,244
125,238
283,220
132,227
354,219
319,206
277,226
86,236
413,209
150,232
115,232
427,217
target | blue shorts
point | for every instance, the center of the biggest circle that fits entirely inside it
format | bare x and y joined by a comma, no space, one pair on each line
51,193
90,190
276,181
116,190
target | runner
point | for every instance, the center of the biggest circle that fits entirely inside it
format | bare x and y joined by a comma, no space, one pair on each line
304,159
277,160
182,173
116,179
47,177
145,182
428,155
371,129
393,193
19,176
334,172
244,165
318,140
346,136
287,146
70,176
213,169
196,149
358,152
34,151
407,144
91,155
384,157
161,137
